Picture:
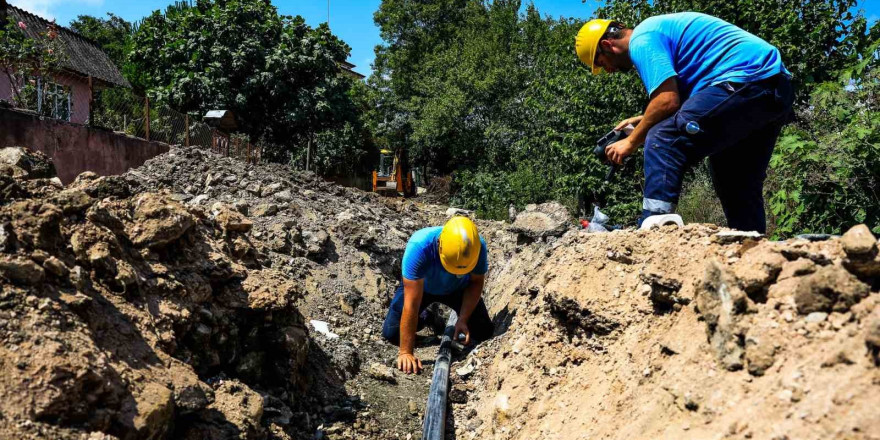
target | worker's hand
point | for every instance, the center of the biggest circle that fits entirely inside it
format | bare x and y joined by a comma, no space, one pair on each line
408,363
633,120
462,327
619,150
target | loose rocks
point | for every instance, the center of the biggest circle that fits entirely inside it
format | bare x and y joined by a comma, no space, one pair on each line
546,219
721,302
831,288
664,290
32,164
383,373
862,257
859,241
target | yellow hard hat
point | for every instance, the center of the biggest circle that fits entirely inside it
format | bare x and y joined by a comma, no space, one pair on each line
459,245
587,41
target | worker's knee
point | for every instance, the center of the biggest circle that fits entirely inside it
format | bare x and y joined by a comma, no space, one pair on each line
391,327
391,335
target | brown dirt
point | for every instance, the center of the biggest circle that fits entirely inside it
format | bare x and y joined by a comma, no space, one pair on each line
668,334
175,301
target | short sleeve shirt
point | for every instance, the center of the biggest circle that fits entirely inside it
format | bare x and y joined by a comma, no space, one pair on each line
701,51
421,260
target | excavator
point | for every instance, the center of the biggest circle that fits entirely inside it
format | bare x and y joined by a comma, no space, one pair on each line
393,177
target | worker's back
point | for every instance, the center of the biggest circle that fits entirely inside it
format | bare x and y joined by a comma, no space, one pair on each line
701,50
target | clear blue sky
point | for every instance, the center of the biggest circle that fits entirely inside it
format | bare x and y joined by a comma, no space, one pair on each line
351,20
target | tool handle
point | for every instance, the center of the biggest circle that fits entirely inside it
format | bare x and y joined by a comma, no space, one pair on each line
610,174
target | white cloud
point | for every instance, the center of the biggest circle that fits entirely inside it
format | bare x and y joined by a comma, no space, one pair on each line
46,8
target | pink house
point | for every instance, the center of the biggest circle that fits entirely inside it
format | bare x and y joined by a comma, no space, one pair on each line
85,69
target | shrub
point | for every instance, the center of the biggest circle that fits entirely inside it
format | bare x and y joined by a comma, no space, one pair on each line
825,172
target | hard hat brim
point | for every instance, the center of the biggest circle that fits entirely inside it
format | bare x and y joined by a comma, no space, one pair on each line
458,270
587,42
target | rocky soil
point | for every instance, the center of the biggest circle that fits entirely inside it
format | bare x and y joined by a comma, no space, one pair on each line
200,297
679,333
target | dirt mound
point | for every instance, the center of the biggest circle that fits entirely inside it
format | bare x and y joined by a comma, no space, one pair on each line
126,316
201,297
150,306
341,248
677,333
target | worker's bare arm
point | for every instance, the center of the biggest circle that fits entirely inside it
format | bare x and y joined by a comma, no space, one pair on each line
472,294
665,101
633,120
409,321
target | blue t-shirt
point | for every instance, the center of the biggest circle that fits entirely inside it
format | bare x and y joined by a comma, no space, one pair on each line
701,50
422,261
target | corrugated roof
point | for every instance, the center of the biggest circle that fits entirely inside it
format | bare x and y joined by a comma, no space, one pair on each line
84,56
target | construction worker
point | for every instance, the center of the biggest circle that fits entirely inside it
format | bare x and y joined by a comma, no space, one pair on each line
715,91
443,264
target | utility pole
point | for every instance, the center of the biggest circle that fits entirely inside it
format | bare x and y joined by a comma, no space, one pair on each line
328,13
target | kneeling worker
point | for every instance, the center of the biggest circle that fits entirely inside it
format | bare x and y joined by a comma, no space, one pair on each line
446,265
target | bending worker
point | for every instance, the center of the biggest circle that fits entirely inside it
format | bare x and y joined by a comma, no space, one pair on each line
446,265
715,90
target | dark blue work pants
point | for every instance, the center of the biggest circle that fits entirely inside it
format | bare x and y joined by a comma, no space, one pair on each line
479,324
736,126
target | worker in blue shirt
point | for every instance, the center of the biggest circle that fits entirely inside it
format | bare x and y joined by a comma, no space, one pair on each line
715,91
447,265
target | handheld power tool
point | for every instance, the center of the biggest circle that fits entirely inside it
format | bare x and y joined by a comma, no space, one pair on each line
610,138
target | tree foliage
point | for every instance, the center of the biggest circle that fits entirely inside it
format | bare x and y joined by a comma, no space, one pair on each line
113,34
493,93
279,76
825,172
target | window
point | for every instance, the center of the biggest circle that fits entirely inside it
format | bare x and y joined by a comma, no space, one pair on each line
55,100
47,98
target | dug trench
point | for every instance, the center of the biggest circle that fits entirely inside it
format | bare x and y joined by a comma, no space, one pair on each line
183,300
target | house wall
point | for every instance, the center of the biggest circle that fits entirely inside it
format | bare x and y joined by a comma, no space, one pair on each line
75,147
79,94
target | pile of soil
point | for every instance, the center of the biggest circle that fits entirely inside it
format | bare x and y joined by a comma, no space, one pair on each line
342,248
679,333
127,314
201,297
149,305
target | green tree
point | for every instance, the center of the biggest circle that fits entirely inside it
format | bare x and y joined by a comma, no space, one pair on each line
825,172
278,75
113,34
498,99
504,104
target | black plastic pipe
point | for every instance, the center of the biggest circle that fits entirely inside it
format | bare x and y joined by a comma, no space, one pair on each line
435,412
